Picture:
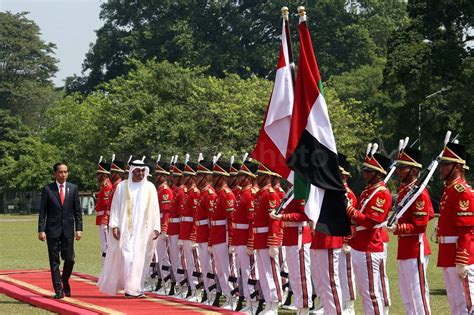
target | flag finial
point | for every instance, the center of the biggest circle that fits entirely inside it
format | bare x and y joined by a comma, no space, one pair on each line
284,13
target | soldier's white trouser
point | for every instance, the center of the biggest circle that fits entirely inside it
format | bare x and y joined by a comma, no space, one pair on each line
205,265
413,284
190,263
384,287
367,275
269,276
162,257
327,282
346,272
221,260
299,267
103,235
174,257
283,268
460,291
242,260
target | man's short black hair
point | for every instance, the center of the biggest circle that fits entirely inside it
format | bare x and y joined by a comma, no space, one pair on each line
55,166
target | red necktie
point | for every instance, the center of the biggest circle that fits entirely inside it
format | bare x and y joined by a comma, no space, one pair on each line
61,193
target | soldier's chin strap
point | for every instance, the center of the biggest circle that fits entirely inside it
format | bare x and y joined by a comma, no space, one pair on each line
407,175
200,182
371,181
451,171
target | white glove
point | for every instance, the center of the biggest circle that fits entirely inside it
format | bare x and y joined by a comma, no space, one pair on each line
180,244
392,228
231,249
194,244
273,251
346,248
209,250
462,270
250,251
164,236
275,216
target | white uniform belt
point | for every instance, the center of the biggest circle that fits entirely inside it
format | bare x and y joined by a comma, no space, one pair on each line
294,224
187,219
175,220
260,230
218,222
361,228
447,239
202,222
100,212
240,226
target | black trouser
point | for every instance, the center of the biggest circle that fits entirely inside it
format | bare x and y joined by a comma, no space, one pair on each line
65,246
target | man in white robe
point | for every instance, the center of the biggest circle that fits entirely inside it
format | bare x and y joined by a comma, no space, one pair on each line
135,225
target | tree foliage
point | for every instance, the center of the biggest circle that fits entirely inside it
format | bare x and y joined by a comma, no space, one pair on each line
26,68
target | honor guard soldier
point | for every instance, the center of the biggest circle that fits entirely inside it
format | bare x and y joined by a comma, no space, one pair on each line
367,252
297,241
188,211
455,230
179,191
242,217
165,200
221,219
233,182
201,228
266,238
104,201
117,169
346,270
413,245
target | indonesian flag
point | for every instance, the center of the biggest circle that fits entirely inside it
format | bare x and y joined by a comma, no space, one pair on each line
272,143
311,149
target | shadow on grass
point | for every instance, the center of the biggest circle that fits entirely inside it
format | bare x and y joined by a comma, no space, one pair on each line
10,302
438,292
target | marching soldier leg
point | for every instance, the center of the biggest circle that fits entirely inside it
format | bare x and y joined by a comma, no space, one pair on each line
190,265
175,259
460,290
384,285
162,259
413,285
221,259
299,264
367,275
270,279
243,263
103,234
329,286
346,272
205,262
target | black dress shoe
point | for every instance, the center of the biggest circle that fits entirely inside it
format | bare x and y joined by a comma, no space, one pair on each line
66,288
59,295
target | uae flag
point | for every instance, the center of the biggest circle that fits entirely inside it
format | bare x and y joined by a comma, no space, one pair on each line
311,150
272,143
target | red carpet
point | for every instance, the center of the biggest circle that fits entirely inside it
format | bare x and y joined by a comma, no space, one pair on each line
34,287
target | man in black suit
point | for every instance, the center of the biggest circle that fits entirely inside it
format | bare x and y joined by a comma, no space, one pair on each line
60,213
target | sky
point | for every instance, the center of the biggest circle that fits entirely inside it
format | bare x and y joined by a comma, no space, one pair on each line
70,24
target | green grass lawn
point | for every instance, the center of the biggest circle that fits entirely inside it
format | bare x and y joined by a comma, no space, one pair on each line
21,249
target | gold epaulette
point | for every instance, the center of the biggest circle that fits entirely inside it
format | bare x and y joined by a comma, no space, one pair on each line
210,191
459,188
104,183
271,190
227,190
195,190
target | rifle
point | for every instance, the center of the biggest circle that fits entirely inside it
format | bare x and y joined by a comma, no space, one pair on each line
417,189
401,145
287,197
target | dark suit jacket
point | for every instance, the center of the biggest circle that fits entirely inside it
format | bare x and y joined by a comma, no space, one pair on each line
55,218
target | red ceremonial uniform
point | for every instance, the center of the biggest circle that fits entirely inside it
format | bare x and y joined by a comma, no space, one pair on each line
266,231
220,215
178,200
413,223
242,216
294,213
280,192
456,220
352,200
368,238
104,201
188,210
165,199
114,188
237,191
207,203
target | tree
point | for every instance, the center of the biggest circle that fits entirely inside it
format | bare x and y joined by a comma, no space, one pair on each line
25,160
26,67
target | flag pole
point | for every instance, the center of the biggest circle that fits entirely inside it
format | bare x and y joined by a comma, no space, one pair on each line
289,45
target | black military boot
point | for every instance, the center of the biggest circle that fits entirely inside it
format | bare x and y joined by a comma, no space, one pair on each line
240,303
216,301
173,284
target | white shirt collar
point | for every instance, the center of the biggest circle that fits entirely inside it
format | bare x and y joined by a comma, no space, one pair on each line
59,187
